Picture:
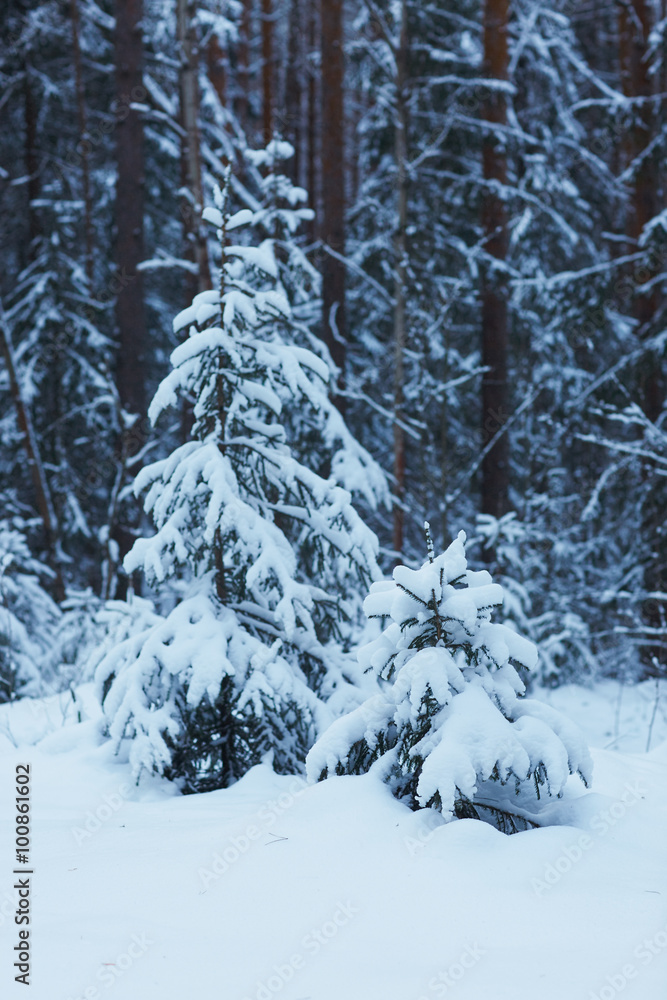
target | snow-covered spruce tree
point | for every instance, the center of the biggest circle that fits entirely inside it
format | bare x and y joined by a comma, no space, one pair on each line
28,618
62,360
264,550
452,729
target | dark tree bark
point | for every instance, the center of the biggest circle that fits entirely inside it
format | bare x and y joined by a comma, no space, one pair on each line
634,24
217,68
312,121
495,465
400,278
292,128
192,203
333,186
267,71
130,318
130,315
244,63
31,159
85,160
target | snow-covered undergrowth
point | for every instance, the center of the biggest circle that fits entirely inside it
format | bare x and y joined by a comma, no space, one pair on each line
273,889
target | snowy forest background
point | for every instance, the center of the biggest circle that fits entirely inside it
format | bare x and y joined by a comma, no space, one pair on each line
449,227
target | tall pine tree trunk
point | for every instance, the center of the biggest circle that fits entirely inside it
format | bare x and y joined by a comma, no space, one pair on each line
193,201
495,465
267,71
243,56
312,122
31,158
130,315
85,146
217,68
294,89
333,186
400,279
635,22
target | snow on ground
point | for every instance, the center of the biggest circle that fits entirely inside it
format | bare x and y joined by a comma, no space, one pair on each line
272,889
614,714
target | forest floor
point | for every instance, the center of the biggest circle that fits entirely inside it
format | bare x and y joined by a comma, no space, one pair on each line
274,889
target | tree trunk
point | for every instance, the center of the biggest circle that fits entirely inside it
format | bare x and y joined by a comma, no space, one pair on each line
130,210
244,64
634,27
193,201
130,315
400,280
217,69
312,124
267,71
634,24
495,465
85,162
294,89
223,362
333,187
31,159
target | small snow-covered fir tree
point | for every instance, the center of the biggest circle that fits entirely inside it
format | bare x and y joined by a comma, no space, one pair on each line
265,550
452,729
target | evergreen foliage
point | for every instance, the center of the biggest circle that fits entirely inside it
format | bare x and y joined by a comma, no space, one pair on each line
583,562
268,551
28,619
63,365
452,729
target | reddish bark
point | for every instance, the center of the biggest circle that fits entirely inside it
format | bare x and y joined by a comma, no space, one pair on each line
84,145
634,25
267,70
634,28
217,68
31,158
192,204
495,465
130,314
130,319
312,123
244,62
333,186
400,280
294,89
